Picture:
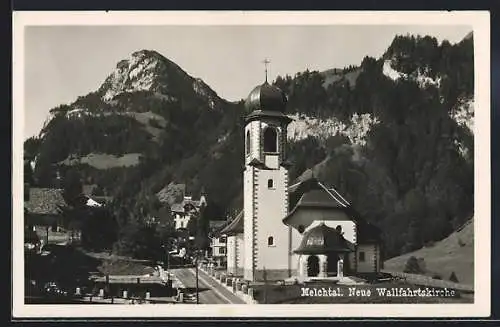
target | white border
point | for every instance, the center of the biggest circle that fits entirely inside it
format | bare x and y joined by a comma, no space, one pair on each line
480,22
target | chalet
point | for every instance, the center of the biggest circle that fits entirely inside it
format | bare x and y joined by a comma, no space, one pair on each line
43,209
185,210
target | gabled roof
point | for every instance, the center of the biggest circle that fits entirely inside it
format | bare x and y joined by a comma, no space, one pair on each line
312,193
235,226
177,207
45,201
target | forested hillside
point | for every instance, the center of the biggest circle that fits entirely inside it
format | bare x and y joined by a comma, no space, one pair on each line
393,134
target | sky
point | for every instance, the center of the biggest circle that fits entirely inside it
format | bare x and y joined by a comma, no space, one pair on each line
64,62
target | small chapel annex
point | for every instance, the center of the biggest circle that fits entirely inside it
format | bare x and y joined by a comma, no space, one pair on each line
303,231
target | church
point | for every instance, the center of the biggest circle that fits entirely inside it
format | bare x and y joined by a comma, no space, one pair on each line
302,231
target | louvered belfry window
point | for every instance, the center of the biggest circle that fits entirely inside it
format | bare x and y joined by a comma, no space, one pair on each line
270,140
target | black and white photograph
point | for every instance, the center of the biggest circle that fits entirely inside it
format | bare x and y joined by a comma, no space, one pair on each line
240,164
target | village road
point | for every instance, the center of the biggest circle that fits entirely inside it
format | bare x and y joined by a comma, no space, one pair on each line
210,292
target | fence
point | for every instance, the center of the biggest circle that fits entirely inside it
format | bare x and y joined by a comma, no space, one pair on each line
429,281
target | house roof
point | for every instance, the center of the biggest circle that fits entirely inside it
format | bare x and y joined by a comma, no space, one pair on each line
45,201
216,224
235,226
177,207
185,205
323,239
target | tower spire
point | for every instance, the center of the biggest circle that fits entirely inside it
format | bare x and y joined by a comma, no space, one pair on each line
266,62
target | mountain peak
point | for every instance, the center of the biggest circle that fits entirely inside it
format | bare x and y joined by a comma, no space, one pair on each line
144,70
469,36
148,70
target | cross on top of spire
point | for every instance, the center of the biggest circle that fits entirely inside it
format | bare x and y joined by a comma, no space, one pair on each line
266,62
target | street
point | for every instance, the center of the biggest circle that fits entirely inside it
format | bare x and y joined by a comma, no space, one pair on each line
210,292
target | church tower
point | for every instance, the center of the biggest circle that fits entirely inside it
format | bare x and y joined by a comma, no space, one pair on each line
266,238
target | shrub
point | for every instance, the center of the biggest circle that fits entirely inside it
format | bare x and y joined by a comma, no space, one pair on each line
413,266
453,277
436,276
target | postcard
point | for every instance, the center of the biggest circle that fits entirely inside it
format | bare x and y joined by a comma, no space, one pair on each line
251,164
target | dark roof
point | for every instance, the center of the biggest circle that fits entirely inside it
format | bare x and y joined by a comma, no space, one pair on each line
266,97
368,233
235,226
177,207
323,239
45,201
312,194
216,224
185,205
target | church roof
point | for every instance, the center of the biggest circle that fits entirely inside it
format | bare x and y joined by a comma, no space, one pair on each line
323,239
266,97
368,233
312,193
235,226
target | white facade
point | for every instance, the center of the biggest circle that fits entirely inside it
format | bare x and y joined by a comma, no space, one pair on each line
368,258
265,188
231,254
218,245
181,220
235,254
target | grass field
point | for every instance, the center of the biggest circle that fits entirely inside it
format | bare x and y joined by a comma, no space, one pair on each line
105,161
453,254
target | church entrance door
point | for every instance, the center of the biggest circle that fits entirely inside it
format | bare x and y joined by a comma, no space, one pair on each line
312,266
331,265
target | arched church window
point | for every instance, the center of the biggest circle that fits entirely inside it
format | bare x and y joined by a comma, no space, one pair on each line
270,241
270,183
248,142
270,140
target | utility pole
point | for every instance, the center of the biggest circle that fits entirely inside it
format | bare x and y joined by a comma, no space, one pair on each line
168,260
197,286
265,285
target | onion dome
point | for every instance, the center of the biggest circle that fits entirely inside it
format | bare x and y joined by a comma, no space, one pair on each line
266,97
322,240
